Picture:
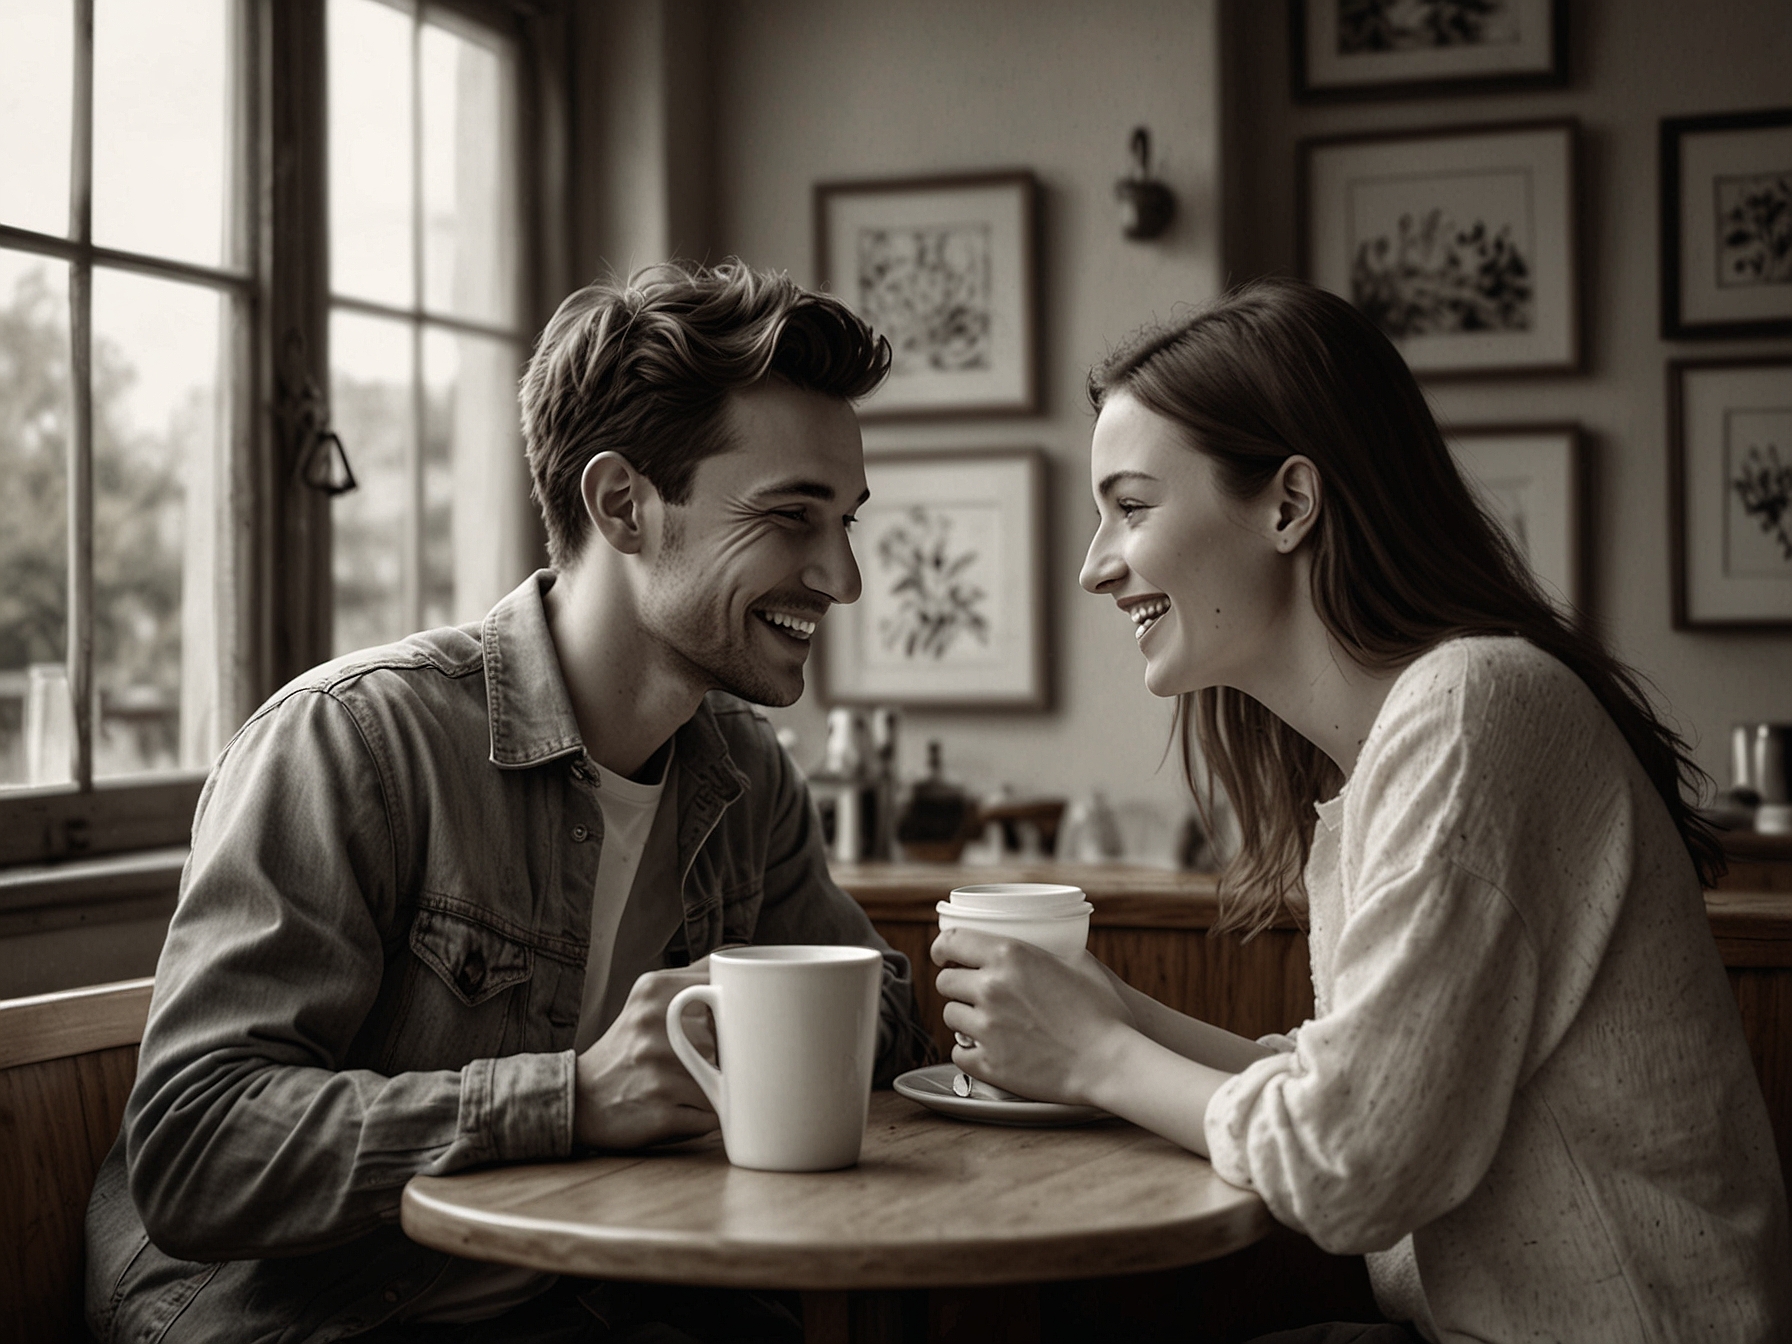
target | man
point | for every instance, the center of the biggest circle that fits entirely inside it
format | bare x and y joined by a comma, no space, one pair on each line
441,892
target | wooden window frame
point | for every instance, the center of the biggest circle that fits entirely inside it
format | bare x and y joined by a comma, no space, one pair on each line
277,608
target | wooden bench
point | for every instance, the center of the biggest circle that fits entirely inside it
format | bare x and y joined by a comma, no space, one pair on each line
67,1062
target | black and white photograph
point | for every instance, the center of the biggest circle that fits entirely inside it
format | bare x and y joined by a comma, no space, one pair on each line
1730,431
1406,48
895,671
1726,225
943,268
952,614
1459,246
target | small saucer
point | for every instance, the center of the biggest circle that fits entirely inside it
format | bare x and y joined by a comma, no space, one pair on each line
932,1087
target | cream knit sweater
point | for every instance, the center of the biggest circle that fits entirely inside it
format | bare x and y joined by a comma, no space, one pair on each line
1526,1084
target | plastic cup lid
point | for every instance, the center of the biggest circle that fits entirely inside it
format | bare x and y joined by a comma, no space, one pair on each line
1081,910
1018,898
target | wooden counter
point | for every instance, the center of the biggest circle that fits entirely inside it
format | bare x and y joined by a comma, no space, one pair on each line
1152,927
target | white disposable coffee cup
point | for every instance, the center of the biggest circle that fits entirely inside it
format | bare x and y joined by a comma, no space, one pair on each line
796,1037
1045,914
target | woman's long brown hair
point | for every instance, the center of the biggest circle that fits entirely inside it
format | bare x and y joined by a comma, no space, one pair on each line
1404,556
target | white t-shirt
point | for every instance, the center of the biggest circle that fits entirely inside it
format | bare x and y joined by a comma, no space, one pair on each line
629,809
1525,1092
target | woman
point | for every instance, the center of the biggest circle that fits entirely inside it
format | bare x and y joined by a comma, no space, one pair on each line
1525,1093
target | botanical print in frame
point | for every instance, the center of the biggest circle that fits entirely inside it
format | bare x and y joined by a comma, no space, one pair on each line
1382,48
1730,439
1459,244
1726,225
944,268
1529,477
952,615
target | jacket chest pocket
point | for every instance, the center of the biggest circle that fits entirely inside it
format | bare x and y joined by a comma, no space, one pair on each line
474,961
455,1006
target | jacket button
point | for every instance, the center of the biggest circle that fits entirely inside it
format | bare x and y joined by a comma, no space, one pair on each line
472,971
581,833
391,1294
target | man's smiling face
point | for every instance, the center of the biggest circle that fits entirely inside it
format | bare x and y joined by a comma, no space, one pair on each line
751,561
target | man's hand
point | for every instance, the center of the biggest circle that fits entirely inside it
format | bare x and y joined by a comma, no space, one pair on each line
630,1090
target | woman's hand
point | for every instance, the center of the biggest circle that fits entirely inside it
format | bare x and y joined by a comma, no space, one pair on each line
1044,1027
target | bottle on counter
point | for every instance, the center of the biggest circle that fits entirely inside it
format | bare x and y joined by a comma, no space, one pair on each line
854,790
1091,831
886,725
939,816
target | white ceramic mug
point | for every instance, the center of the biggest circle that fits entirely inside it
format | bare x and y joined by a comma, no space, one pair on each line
796,1036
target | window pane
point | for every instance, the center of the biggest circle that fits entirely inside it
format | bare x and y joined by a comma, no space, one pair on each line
371,256
474,480
35,728
36,100
159,116
156,411
371,409
469,189
441,368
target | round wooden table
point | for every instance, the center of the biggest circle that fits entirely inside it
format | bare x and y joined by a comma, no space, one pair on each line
933,1202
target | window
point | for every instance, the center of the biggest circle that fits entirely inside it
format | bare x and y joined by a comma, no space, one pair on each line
122,266
165,252
426,341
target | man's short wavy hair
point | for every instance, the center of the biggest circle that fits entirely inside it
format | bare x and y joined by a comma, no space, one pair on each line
644,368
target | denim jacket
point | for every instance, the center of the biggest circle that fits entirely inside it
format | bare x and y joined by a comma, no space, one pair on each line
375,968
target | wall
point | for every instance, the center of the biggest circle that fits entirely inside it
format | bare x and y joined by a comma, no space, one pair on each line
640,133
1630,65
808,90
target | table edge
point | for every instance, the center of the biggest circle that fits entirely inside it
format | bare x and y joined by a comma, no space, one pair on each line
936,1264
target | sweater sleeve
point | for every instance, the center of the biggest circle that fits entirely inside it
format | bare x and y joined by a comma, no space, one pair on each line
1390,1107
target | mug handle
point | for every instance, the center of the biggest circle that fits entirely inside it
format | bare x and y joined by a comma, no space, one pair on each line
707,1075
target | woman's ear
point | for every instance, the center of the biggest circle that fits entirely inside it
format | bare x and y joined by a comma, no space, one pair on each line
1296,495
616,499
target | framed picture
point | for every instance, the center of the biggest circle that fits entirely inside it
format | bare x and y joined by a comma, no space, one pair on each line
1730,455
951,547
1459,244
1395,48
945,268
1726,225
1530,477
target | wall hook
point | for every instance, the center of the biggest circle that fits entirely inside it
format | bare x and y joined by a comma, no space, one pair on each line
1146,205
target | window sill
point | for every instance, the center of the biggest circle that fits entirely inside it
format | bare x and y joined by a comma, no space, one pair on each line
62,825
41,897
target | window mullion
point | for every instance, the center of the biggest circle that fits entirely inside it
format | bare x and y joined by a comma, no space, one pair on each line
80,444
413,540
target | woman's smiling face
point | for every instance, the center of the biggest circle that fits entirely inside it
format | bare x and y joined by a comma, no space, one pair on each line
1200,574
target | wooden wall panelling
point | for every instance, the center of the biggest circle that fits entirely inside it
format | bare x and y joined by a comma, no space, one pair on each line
1252,988
1764,996
58,1118
912,940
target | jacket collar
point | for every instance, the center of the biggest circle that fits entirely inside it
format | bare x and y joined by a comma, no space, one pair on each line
530,713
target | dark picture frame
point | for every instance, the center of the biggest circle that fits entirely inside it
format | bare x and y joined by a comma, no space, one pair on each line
1726,225
1533,479
1730,492
946,268
951,546
1370,53
1461,243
